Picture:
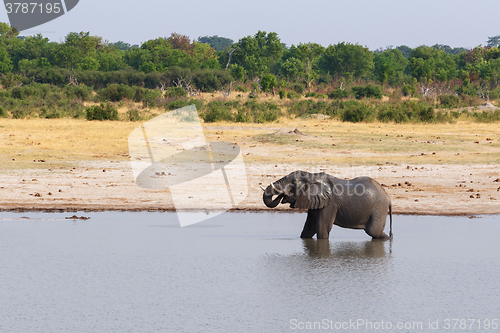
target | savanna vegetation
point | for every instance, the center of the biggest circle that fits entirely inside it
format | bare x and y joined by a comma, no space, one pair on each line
256,79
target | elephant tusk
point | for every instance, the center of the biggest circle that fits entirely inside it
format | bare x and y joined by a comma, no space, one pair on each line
275,189
262,187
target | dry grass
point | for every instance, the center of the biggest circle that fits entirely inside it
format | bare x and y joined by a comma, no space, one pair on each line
23,143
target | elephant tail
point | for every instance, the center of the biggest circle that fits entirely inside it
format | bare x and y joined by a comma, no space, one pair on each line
390,220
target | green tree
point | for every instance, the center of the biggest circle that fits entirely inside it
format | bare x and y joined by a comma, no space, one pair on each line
347,60
427,63
308,56
268,83
5,61
216,42
390,66
494,41
258,54
291,68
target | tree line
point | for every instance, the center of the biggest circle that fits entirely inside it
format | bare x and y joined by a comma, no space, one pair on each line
213,63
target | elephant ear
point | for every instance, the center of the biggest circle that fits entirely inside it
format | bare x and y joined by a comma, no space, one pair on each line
313,194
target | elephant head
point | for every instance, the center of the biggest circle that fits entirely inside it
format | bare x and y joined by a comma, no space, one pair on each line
301,190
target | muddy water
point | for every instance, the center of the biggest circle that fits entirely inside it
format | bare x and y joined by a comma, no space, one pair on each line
245,272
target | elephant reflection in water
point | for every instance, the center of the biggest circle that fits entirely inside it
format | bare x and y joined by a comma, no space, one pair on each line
322,248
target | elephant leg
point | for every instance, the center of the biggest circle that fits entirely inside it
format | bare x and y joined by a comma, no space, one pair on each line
375,226
326,217
310,225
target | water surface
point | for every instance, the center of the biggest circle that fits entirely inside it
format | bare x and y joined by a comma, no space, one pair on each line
244,272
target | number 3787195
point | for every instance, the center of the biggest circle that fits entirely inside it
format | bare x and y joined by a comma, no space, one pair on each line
33,8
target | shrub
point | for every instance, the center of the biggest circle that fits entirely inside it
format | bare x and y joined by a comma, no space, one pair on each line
217,111
299,88
115,93
176,92
487,116
311,94
338,94
81,91
368,91
449,101
134,115
283,93
356,113
3,113
101,112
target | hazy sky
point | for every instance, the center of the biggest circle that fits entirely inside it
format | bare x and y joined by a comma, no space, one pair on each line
372,23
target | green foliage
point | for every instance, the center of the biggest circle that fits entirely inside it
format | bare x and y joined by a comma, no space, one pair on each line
81,92
283,93
409,111
175,92
259,53
487,116
449,101
357,112
216,42
390,66
3,113
338,93
115,93
134,115
426,63
217,111
268,82
369,91
101,112
345,59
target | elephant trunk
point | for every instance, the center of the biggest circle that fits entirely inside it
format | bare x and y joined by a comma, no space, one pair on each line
269,192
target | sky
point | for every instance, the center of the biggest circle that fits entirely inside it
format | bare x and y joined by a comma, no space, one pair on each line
372,23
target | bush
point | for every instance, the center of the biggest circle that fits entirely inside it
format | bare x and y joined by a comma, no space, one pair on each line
487,116
3,113
338,94
283,93
134,115
252,111
369,91
356,113
101,112
217,111
176,92
299,88
449,101
311,94
81,92
293,95
115,93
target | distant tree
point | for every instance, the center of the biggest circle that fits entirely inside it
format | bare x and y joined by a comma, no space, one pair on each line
120,45
345,59
5,61
216,42
405,50
448,49
427,63
494,41
390,66
259,53
268,83
291,68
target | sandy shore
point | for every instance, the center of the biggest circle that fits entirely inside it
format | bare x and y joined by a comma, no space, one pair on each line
96,186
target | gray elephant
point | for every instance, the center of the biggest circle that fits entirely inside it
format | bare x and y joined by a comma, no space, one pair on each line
359,203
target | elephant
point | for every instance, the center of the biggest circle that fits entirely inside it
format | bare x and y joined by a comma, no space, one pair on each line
359,203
